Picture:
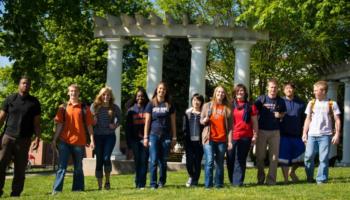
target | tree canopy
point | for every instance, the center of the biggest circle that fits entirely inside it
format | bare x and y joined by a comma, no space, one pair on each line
52,42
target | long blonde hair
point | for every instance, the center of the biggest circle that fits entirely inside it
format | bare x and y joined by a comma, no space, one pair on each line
98,101
225,101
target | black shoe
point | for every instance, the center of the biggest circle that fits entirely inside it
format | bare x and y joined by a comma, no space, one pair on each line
15,194
311,180
107,186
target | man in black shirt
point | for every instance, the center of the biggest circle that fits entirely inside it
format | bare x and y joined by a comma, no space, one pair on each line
21,114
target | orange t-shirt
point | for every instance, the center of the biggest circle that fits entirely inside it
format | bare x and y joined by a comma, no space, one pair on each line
217,124
74,131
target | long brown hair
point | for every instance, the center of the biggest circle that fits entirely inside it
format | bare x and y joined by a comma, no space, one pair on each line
166,97
98,101
237,88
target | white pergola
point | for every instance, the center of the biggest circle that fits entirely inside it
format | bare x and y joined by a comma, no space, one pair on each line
336,75
115,31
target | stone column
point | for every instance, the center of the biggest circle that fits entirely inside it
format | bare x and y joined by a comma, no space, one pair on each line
333,95
198,64
155,63
114,80
242,63
346,127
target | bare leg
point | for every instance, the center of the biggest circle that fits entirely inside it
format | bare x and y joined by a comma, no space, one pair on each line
292,173
99,183
285,171
107,183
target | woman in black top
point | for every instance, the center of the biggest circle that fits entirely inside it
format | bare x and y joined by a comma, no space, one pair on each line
192,130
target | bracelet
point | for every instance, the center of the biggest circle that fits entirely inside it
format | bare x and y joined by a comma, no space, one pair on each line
174,138
145,138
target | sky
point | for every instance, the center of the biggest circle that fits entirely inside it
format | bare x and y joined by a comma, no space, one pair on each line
4,61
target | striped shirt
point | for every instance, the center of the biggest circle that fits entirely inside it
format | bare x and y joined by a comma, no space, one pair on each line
103,120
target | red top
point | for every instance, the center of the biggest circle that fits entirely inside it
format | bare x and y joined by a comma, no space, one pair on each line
217,124
241,128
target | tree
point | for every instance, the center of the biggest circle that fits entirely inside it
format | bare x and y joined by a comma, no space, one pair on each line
53,43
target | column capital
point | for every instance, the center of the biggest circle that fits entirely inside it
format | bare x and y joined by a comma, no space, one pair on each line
243,44
155,42
346,81
199,42
116,43
333,83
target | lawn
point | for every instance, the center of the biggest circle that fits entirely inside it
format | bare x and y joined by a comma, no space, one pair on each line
338,187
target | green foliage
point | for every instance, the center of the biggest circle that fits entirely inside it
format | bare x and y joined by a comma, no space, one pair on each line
53,43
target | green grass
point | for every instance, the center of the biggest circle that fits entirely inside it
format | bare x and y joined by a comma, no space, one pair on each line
338,187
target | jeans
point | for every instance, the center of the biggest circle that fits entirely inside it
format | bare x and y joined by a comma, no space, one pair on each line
214,151
194,155
141,162
15,149
237,160
321,145
159,148
77,153
104,145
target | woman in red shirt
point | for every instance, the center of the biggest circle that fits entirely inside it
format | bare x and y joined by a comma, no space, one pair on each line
244,134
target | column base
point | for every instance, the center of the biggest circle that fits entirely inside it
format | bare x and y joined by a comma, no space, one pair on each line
343,164
118,156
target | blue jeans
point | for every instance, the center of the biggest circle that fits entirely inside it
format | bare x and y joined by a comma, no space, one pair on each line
237,160
104,145
159,148
141,162
321,145
77,153
214,150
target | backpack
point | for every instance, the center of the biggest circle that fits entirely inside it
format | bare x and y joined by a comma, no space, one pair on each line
330,108
83,113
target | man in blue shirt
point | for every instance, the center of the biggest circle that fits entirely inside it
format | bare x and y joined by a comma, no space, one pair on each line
291,144
271,111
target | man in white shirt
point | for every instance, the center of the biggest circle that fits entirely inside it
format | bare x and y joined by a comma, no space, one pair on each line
322,116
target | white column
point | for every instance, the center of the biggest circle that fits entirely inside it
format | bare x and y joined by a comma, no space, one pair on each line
155,63
242,62
114,80
346,127
333,95
198,64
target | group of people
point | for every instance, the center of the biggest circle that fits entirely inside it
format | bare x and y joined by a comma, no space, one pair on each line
283,125
217,128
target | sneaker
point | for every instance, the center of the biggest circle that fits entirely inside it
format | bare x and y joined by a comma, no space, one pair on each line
160,185
189,182
142,188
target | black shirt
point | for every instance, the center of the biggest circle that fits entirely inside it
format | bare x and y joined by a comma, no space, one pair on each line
20,111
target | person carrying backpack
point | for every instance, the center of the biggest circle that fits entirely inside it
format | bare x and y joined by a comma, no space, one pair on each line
74,131
318,133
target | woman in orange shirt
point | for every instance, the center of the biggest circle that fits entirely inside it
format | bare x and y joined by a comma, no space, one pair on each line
216,116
